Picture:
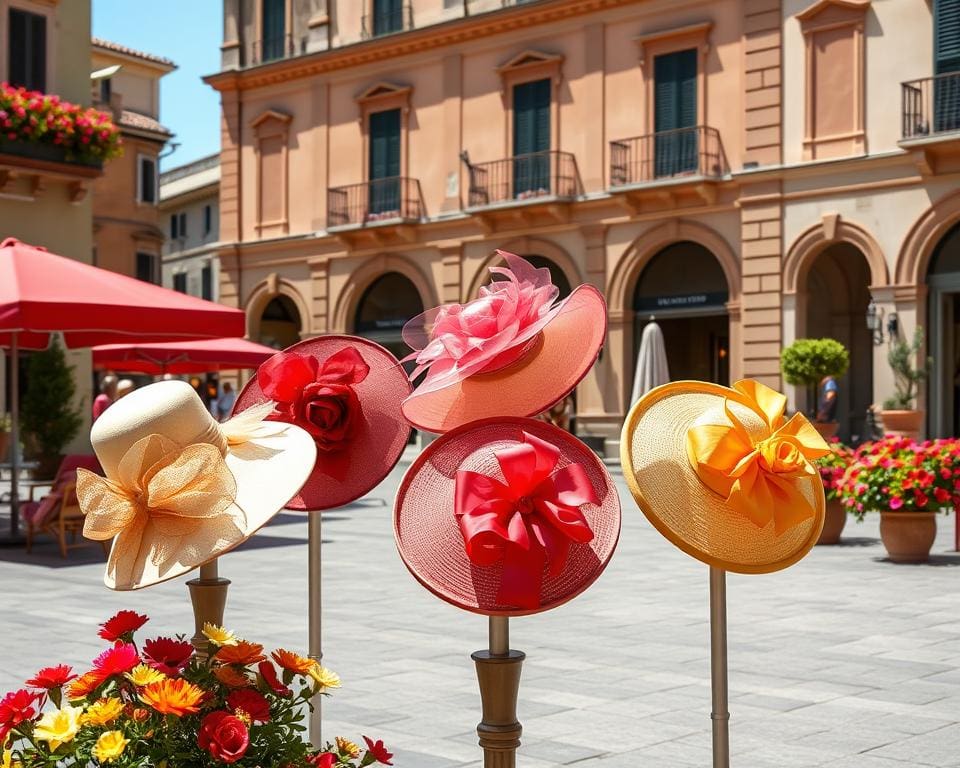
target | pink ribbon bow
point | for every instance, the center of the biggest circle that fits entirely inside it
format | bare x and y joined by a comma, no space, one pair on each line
526,522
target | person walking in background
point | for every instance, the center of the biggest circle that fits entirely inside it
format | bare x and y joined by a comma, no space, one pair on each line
829,391
125,387
225,402
108,393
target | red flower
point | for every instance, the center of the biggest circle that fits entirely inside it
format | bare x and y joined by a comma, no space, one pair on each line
251,702
224,736
167,655
15,708
269,674
896,502
379,751
117,660
122,625
942,495
921,498
52,677
323,760
318,397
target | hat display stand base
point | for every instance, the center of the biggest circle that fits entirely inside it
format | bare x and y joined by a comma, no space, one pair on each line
315,650
209,597
498,673
720,714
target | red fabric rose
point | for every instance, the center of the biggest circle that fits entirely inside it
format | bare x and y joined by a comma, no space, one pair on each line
318,397
224,736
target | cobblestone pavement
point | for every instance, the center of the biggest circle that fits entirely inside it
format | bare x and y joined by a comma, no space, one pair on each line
844,660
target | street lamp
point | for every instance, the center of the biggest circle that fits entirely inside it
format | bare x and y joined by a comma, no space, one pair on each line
875,323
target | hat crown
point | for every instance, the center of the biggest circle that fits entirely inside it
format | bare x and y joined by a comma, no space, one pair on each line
755,425
169,408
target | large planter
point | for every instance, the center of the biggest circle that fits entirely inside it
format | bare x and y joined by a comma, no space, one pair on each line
834,519
908,536
50,153
902,423
827,429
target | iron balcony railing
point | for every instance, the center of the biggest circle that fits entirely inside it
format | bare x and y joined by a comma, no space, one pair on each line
524,177
693,151
387,22
397,197
931,106
275,48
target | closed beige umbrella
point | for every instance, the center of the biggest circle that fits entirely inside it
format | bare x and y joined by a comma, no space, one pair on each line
652,370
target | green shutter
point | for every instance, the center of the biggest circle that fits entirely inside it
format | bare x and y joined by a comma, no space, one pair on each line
274,29
384,160
674,109
387,16
946,36
531,117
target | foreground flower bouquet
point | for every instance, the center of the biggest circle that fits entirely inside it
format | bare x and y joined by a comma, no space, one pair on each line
160,705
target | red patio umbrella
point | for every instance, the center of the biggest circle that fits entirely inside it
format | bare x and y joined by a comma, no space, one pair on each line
42,293
181,356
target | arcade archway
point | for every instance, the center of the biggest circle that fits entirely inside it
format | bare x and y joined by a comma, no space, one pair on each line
384,307
280,323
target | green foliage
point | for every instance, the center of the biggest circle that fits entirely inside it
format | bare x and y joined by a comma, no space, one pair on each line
48,419
907,378
807,361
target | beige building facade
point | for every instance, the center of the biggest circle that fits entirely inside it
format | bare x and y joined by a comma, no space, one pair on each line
747,172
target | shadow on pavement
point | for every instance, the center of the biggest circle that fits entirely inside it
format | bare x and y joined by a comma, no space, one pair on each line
857,541
935,560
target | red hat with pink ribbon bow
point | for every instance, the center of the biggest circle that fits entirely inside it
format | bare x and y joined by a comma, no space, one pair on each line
507,517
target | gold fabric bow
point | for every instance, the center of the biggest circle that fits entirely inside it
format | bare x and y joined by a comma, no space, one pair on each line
758,478
169,504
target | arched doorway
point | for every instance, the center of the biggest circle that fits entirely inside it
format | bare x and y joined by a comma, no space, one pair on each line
684,289
387,303
837,294
280,323
943,280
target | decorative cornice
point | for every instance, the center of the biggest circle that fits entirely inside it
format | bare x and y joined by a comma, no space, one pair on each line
858,6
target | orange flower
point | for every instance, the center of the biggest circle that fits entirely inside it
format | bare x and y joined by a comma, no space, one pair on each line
242,653
231,677
292,662
173,697
84,685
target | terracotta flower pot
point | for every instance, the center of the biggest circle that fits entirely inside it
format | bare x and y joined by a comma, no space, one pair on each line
833,522
908,536
902,423
827,429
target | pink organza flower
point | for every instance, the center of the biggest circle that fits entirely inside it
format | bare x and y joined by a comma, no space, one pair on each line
455,341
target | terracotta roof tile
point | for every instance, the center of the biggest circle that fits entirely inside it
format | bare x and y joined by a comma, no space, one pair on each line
98,42
142,122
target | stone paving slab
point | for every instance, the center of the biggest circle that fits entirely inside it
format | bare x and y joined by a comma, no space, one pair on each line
844,660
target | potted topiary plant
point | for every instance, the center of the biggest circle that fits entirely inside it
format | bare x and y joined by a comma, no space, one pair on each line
899,415
908,483
806,363
833,467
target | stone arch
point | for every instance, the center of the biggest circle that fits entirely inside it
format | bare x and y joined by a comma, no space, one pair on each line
815,240
921,241
360,279
639,253
525,245
263,293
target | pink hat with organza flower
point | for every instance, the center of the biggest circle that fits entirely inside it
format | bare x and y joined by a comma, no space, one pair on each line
513,351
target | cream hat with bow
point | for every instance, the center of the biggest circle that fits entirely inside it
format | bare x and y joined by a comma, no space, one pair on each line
181,489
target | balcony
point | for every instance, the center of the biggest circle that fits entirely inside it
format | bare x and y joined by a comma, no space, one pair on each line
667,166
275,48
385,208
930,122
387,22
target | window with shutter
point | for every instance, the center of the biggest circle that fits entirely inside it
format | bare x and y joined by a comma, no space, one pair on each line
206,282
180,282
675,113
147,267
946,55
148,181
274,29
531,138
27,46
384,195
387,16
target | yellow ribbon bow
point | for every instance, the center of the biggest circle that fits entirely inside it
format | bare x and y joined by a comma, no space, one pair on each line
169,503
758,478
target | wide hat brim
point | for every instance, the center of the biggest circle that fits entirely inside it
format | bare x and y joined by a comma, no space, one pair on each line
568,347
657,469
428,535
268,471
379,436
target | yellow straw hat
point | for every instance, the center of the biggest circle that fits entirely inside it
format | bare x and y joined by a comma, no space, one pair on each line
723,475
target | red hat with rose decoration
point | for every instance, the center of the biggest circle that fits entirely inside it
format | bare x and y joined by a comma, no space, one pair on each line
345,391
507,517
515,350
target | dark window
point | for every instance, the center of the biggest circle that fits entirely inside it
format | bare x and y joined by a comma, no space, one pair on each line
106,90
180,282
274,29
147,268
675,112
946,59
174,229
385,161
148,181
182,226
531,137
27,60
206,282
387,16
207,219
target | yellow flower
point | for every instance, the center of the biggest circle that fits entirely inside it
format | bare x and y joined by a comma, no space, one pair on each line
219,635
109,746
142,675
8,761
324,677
347,747
59,726
102,712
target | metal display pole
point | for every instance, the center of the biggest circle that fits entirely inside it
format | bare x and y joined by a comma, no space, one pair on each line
314,542
14,437
718,668
209,597
498,672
